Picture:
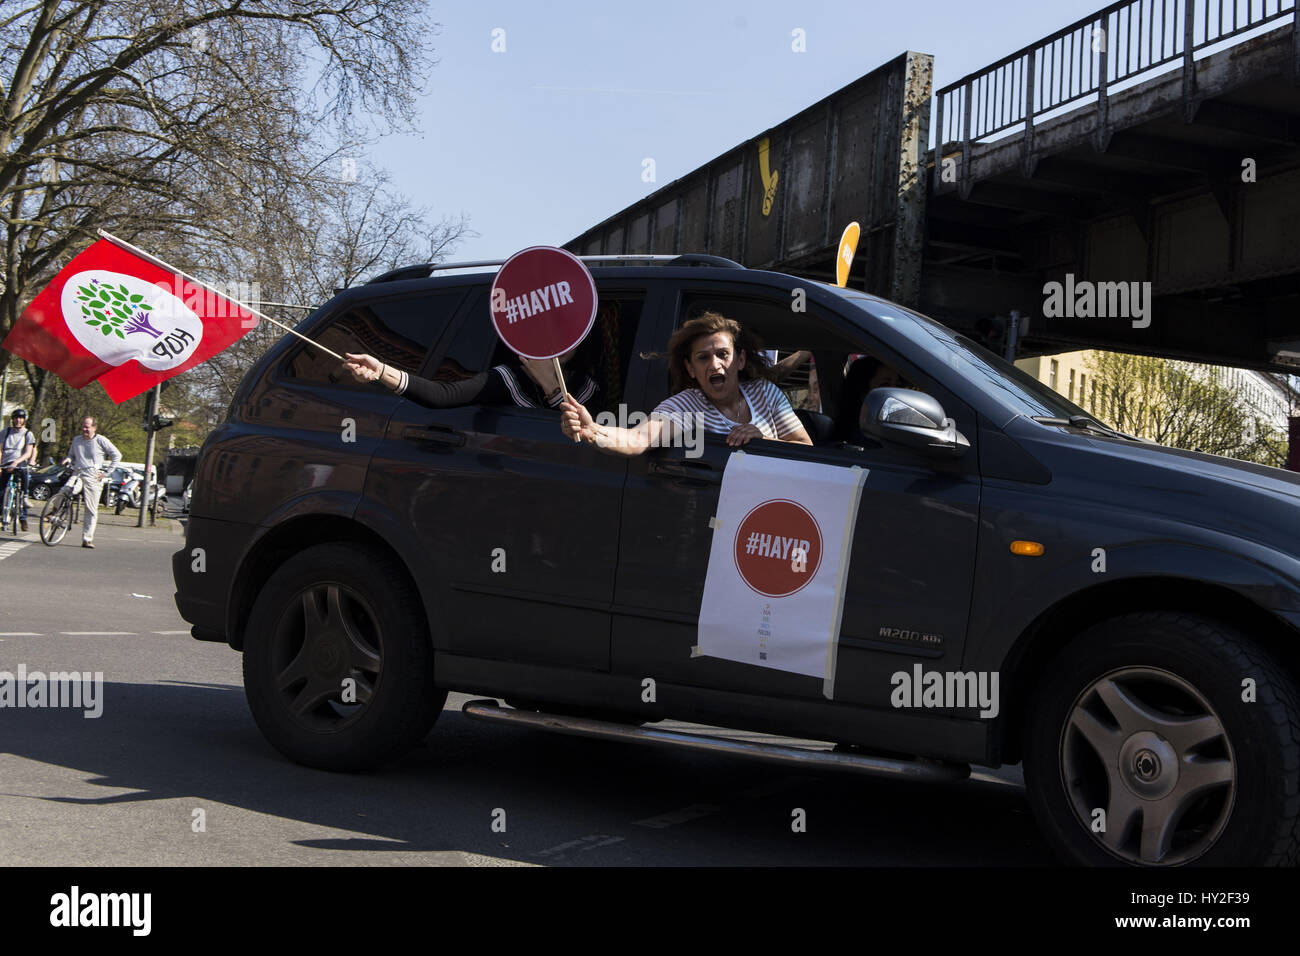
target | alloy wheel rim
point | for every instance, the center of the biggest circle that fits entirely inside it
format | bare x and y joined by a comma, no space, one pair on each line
1147,748
327,636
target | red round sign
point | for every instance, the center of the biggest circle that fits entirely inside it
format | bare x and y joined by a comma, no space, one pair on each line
778,547
543,302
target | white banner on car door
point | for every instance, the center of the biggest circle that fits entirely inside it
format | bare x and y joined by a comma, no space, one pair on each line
782,538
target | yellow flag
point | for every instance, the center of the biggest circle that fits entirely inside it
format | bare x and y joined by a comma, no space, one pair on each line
848,246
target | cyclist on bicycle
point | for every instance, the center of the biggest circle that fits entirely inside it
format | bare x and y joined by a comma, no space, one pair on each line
17,454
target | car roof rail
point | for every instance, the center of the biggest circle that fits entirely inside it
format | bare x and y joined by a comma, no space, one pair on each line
425,269
700,259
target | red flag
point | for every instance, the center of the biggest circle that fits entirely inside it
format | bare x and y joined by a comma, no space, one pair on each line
128,322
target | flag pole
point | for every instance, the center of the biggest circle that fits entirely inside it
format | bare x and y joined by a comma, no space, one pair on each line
137,251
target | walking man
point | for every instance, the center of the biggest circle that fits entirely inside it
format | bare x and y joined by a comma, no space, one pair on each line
17,452
87,456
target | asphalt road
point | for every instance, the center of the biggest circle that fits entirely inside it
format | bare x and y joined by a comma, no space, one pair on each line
175,737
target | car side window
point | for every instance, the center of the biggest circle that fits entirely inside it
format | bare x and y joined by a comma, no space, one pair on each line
470,350
798,347
606,352
824,373
398,332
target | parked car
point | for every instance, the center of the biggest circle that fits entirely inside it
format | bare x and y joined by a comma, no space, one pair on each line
1140,604
45,482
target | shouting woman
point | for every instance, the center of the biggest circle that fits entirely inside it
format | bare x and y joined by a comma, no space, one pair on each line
720,379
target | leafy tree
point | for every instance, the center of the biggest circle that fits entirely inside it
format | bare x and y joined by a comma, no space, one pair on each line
213,134
1182,405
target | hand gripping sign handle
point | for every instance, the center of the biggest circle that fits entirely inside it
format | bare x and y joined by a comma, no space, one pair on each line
136,251
564,389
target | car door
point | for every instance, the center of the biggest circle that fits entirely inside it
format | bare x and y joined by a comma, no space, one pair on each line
517,527
909,579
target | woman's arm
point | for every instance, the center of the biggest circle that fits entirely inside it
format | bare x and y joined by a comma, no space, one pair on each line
788,426
575,420
784,368
800,436
483,387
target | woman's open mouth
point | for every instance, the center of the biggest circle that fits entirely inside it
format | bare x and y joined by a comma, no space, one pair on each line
717,381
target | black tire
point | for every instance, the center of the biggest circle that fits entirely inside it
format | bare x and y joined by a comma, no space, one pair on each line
1144,716
119,506
41,492
389,657
56,519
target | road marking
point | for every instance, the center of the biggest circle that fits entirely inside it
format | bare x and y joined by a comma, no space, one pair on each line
171,632
586,843
10,548
20,634
664,820
697,810
98,633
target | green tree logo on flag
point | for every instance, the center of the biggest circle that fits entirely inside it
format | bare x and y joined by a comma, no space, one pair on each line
110,310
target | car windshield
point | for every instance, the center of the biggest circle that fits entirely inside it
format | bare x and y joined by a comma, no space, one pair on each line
988,371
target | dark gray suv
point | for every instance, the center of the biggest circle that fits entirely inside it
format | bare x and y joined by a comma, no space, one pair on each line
1139,606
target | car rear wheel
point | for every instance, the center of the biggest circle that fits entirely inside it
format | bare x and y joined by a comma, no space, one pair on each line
1162,739
338,667
41,492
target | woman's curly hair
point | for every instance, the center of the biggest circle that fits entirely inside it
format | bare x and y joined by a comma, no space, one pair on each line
706,324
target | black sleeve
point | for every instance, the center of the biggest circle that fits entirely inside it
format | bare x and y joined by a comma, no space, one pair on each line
485,387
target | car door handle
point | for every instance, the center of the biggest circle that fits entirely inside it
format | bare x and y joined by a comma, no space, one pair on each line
687,468
437,434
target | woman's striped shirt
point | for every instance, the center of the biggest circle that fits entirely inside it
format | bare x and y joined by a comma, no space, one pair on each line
769,410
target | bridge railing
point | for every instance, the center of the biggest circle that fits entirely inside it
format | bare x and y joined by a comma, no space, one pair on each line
1088,57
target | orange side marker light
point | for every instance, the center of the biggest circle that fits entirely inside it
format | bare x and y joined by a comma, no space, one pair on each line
1030,549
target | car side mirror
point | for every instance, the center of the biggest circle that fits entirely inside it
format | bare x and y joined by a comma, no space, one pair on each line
905,416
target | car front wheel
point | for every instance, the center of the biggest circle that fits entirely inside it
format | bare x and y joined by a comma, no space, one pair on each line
338,666
1162,739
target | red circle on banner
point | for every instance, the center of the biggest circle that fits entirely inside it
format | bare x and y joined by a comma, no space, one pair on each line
543,302
767,544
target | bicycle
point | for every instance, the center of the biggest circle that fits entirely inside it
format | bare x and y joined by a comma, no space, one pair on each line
61,511
13,505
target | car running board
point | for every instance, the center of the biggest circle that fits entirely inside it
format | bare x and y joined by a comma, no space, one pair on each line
919,768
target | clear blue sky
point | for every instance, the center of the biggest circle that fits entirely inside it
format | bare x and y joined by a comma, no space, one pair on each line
540,142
